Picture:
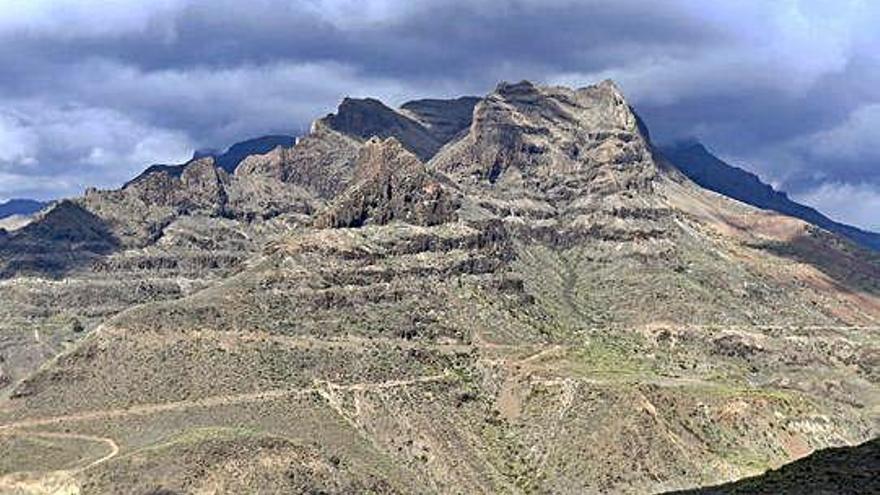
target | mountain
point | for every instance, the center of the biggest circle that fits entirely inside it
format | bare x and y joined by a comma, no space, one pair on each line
707,170
533,300
20,207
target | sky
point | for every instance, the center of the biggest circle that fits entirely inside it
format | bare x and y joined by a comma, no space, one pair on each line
93,91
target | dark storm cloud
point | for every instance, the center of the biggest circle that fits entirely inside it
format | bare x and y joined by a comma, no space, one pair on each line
96,90
439,39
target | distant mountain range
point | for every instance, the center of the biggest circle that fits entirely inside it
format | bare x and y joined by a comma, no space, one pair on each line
691,157
230,159
20,207
709,171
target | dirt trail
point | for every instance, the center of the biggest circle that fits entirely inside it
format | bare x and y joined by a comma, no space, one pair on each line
214,401
63,481
111,444
59,481
510,395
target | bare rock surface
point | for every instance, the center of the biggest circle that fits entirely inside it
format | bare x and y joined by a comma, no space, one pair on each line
391,184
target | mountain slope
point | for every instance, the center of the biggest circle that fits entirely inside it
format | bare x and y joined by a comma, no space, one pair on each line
695,161
545,306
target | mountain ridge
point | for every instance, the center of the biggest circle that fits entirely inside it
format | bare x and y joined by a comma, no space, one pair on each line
707,170
19,206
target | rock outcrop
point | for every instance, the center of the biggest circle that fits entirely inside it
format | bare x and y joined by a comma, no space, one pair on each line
390,184
551,135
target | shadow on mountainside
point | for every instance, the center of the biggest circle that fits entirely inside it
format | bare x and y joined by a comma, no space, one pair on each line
839,471
853,268
67,238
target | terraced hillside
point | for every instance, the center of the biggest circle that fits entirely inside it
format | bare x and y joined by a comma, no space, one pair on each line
176,229
543,306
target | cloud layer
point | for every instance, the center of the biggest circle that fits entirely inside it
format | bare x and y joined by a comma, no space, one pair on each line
99,89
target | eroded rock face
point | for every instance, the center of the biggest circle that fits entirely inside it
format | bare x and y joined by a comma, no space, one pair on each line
390,184
550,135
567,165
322,162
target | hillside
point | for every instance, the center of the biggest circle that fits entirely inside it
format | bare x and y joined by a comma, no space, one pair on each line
529,301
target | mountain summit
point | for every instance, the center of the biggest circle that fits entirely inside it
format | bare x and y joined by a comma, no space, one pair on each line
528,299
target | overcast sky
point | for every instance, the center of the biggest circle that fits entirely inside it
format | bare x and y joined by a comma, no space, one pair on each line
92,91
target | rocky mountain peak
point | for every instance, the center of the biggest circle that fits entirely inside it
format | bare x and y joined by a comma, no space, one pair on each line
551,135
323,161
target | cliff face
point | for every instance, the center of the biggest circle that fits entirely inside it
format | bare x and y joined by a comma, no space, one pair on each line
540,304
390,184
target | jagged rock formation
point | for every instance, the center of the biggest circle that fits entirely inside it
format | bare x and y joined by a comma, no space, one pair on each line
228,160
567,162
390,184
695,161
544,306
321,163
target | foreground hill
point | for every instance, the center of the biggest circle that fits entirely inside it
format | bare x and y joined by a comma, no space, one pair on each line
835,471
540,303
